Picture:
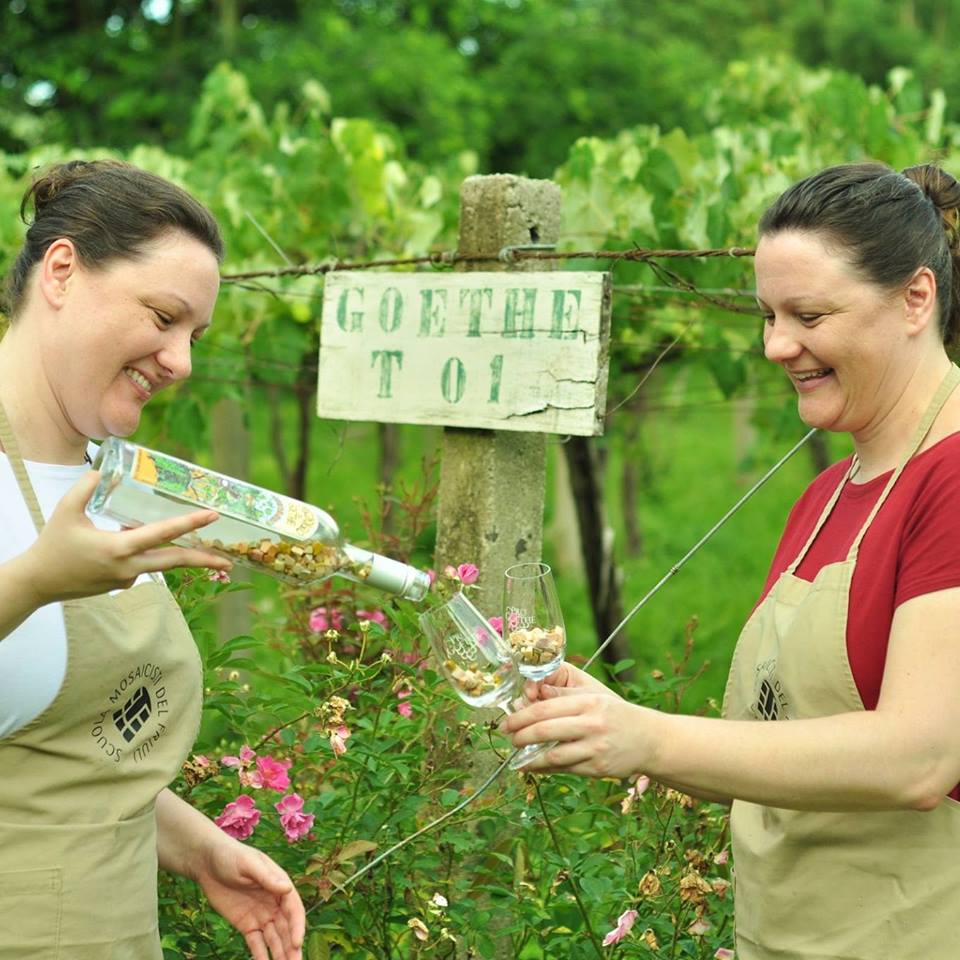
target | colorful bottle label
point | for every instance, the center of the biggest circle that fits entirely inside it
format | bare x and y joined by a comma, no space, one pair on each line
227,496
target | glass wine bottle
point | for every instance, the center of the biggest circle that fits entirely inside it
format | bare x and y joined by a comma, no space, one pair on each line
286,538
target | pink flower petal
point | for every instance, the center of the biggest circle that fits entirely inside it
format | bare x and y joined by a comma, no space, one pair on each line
246,754
239,817
468,573
405,709
274,773
723,954
722,857
496,623
624,922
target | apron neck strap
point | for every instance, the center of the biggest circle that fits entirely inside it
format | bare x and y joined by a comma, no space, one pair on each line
947,386
9,442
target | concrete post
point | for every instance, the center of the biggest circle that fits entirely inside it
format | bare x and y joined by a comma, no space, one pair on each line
492,482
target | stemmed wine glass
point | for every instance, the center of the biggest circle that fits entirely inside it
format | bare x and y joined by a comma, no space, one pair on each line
476,661
532,620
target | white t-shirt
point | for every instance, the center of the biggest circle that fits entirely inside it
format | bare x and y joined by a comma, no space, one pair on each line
33,658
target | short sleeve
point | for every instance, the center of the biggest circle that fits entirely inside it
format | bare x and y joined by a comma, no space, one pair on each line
929,557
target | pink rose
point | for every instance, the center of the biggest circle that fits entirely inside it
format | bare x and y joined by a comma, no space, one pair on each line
246,755
239,817
323,619
338,740
274,773
468,574
624,923
295,822
251,778
496,623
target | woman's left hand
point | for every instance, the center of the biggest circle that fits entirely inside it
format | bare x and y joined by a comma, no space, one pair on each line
599,734
247,888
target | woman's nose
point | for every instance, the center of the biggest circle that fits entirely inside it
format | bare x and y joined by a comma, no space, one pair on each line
780,342
175,358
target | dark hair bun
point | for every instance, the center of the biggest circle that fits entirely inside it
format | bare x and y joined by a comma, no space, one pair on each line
943,191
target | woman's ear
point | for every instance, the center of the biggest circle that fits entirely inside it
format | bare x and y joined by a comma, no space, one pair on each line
920,301
59,264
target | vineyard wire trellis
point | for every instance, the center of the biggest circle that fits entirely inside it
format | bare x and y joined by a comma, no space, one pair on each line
507,255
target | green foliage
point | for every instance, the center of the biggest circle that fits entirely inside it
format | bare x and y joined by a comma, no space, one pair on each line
529,870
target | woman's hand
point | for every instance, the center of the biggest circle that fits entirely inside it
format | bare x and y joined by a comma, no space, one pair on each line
247,888
599,733
72,558
565,679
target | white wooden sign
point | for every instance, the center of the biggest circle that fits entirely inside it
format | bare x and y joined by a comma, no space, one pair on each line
504,351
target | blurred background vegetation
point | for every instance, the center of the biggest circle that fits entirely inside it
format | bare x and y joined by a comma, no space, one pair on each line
343,129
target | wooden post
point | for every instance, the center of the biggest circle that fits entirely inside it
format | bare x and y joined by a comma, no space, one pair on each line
492,481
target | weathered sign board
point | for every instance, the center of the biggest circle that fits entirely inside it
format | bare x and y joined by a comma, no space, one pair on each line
503,351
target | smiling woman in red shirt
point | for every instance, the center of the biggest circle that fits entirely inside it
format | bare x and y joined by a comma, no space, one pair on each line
845,821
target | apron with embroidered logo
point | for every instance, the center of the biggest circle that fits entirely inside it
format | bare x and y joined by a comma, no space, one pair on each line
832,886
78,848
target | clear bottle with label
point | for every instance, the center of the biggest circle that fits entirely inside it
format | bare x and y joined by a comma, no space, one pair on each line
286,538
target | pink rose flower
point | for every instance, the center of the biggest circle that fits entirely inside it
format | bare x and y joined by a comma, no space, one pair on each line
274,773
239,817
450,571
468,574
496,623
251,778
638,789
323,619
374,616
295,822
338,740
246,755
625,921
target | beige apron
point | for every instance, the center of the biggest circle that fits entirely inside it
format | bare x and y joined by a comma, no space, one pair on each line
833,886
78,849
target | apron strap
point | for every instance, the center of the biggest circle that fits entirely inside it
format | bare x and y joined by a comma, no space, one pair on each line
824,515
947,386
9,442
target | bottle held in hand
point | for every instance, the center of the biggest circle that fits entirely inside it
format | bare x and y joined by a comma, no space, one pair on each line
283,537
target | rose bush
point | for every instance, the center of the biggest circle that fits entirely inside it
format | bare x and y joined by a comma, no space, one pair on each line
353,726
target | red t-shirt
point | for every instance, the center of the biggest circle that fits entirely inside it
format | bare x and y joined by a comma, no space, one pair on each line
911,548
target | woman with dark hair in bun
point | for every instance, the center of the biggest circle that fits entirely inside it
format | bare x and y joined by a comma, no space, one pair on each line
114,285
845,821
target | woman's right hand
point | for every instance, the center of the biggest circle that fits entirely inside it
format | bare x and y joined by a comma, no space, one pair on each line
565,679
72,558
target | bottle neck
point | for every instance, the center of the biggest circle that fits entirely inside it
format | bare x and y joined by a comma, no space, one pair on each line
386,574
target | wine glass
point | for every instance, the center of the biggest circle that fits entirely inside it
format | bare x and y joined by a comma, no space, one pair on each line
476,661
532,620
